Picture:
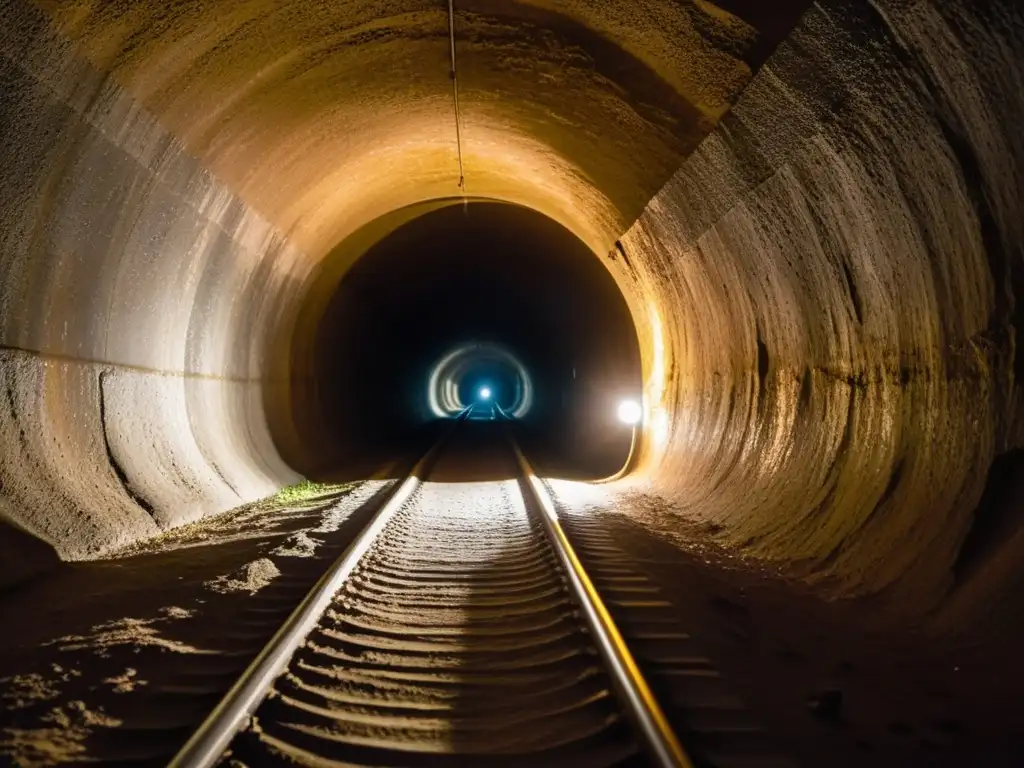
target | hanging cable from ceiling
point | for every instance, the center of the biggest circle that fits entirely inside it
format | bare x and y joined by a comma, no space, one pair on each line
455,95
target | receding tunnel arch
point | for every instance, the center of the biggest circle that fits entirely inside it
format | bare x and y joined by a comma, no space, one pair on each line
455,385
821,255
367,348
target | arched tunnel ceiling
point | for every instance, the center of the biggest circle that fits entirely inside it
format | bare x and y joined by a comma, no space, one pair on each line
324,116
825,277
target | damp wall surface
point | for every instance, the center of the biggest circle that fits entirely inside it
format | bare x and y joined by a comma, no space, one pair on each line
835,279
136,291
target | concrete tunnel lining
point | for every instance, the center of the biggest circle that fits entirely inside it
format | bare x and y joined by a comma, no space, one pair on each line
825,287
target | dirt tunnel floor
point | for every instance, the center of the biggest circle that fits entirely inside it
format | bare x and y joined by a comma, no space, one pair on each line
119,659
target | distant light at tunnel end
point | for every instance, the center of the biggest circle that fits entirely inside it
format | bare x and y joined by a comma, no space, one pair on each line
485,393
630,412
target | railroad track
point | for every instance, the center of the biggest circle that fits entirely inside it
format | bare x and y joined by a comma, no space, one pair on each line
461,628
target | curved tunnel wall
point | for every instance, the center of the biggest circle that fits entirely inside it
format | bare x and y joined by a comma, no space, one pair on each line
834,277
825,290
137,290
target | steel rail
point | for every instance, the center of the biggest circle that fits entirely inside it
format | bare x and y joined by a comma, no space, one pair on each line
208,743
634,693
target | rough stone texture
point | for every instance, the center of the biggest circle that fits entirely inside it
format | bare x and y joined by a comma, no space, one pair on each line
171,174
826,290
137,298
327,115
829,287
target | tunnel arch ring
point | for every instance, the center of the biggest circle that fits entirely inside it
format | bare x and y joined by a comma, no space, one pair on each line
443,385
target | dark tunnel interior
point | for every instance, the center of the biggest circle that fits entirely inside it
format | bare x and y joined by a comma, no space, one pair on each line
254,257
482,276
483,380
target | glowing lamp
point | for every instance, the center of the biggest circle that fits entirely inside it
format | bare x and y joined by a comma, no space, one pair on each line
485,393
630,412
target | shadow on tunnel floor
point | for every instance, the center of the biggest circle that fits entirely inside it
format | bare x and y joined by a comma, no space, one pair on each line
478,451
897,697
93,644
118,660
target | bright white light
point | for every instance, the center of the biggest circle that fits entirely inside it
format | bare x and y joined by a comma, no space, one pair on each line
447,374
485,393
630,412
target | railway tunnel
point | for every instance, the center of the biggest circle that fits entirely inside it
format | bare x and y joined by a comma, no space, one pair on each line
236,237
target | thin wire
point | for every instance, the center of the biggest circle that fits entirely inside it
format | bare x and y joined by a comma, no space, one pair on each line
455,94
